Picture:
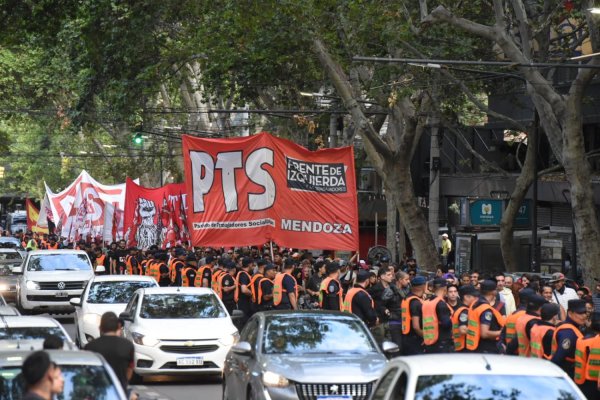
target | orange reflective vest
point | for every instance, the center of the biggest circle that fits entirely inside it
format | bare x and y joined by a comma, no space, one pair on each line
215,282
560,328
259,291
153,269
431,323
406,317
587,360
474,327
52,246
173,269
278,289
347,304
199,280
236,292
324,288
253,286
511,325
537,341
184,279
459,338
522,339
100,260
129,264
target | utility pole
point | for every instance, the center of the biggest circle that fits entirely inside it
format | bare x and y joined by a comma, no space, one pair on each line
434,180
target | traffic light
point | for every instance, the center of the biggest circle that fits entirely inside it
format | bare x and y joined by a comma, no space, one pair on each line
138,139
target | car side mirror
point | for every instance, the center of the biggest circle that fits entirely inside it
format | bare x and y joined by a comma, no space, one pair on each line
17,270
75,301
242,348
237,314
125,316
389,347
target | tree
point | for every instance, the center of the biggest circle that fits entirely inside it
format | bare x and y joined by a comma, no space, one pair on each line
512,30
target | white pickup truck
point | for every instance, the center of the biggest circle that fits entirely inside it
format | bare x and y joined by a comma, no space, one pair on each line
49,279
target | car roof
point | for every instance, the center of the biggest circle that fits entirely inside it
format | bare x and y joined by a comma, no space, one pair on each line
61,357
58,251
115,278
472,364
8,311
316,313
23,321
175,290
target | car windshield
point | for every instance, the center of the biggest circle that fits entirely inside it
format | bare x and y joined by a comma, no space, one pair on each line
31,333
59,262
160,306
115,291
10,256
468,387
315,334
88,382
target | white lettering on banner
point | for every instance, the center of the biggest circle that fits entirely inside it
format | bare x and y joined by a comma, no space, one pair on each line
203,174
316,177
295,225
256,223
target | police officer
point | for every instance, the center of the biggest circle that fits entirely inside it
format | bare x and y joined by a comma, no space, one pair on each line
520,344
228,286
188,274
566,335
245,293
163,269
177,266
460,318
412,308
543,330
265,288
256,277
330,292
285,291
587,361
437,320
204,273
509,332
485,322
359,302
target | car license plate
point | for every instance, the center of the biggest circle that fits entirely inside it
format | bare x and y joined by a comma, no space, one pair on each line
335,397
189,361
62,294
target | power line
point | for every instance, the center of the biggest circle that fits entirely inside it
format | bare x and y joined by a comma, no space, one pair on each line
468,62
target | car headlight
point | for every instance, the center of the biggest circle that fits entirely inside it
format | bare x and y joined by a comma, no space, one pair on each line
4,287
31,285
144,340
230,340
92,319
271,379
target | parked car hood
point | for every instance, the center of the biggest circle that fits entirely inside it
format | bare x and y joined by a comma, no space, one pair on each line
185,329
57,276
100,309
327,368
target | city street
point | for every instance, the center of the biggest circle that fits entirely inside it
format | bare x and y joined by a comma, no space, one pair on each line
165,387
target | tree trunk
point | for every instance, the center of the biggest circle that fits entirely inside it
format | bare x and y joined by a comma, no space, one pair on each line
522,185
391,226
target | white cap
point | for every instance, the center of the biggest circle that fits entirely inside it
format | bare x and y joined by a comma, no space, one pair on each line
444,235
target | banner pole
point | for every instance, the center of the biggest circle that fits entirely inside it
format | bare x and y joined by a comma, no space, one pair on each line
271,247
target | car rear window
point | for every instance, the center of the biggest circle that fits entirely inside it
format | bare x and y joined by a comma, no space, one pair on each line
468,387
59,262
115,291
30,333
10,256
89,382
161,306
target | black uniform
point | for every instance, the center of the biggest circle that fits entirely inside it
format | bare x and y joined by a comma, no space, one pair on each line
266,287
487,318
228,297
331,297
362,306
389,299
244,300
289,286
190,273
164,270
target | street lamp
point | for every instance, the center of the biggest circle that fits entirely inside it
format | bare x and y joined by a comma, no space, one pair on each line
567,195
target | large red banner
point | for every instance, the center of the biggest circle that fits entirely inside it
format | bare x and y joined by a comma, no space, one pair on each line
155,216
250,190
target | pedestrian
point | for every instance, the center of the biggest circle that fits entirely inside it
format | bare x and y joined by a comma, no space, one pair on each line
313,285
411,308
359,302
117,350
446,248
452,297
331,292
505,294
543,330
460,318
566,335
42,377
587,361
547,293
387,305
561,293
285,290
475,279
485,322
437,320
53,342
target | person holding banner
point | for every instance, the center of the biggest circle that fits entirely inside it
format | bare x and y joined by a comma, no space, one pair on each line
285,289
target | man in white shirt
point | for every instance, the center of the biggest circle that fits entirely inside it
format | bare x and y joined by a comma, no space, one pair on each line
562,294
506,294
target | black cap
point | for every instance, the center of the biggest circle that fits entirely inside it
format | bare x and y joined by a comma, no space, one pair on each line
536,301
468,290
525,294
576,306
191,258
209,259
362,276
332,267
269,267
35,367
247,261
549,310
261,262
180,252
289,263
230,265
439,283
487,286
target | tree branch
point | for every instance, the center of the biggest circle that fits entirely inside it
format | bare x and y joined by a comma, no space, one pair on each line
524,27
442,14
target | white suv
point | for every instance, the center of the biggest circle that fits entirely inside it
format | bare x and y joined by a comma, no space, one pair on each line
50,278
